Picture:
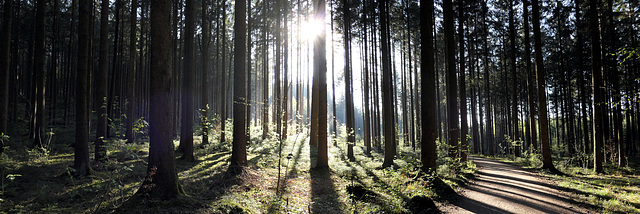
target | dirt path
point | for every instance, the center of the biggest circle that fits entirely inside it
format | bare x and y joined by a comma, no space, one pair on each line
503,188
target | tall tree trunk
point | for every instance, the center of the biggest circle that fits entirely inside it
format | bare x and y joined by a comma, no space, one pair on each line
249,102
348,78
597,87
463,90
81,148
188,88
239,152
547,163
131,96
428,82
222,69
162,179
102,79
5,62
318,150
452,93
514,80
387,90
530,90
489,130
39,72
206,41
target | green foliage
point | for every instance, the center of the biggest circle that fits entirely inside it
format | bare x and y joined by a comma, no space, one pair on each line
42,152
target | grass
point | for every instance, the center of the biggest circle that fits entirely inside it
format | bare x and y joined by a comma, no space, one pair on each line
615,191
40,182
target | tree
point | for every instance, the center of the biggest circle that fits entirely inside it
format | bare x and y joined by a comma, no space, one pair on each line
206,37
530,90
514,89
463,90
387,91
81,160
452,107
5,62
131,96
162,178
319,151
39,72
427,72
547,163
188,87
348,78
102,78
239,152
598,89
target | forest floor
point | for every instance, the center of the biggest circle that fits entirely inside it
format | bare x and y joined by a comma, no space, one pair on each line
503,188
39,180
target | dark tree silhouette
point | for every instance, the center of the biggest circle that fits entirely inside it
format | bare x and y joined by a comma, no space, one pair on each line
162,178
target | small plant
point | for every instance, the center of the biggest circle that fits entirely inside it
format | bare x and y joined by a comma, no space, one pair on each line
11,178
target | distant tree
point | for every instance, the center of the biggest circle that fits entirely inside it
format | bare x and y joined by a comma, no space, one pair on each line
547,163
428,82
239,151
162,179
81,161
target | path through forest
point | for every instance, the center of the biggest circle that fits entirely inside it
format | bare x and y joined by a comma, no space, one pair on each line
502,188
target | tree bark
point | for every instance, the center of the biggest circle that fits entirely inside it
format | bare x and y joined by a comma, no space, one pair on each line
428,82
452,93
206,41
5,62
319,150
161,181
81,148
39,72
387,88
239,152
463,90
547,163
131,96
598,90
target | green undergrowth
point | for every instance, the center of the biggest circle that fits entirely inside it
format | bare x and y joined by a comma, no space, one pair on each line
42,181
615,191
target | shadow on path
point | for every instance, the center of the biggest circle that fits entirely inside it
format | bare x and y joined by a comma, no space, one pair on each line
503,188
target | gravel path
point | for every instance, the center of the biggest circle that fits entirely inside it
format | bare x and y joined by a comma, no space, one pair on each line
502,188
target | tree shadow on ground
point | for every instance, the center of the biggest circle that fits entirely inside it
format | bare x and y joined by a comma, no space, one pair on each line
323,192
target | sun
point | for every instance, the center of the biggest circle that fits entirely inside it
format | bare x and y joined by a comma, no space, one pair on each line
310,29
